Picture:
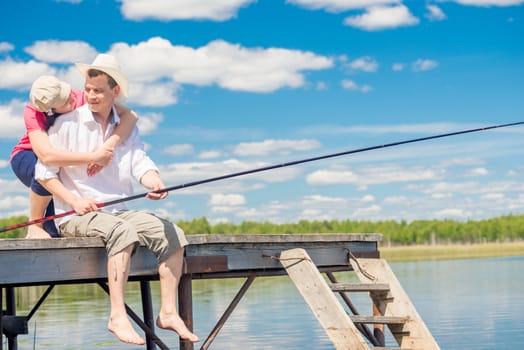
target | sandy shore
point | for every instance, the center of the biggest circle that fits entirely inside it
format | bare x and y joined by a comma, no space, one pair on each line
453,251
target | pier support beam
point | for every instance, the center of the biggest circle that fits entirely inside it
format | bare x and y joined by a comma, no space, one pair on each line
10,306
1,315
185,307
147,312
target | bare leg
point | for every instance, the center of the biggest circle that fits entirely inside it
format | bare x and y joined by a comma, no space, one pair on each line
117,272
168,318
37,206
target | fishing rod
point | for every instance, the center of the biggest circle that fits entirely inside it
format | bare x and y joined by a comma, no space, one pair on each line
256,170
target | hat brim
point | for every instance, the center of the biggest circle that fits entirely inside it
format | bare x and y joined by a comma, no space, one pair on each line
116,74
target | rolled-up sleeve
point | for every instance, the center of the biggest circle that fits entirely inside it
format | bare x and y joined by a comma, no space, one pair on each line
44,172
140,162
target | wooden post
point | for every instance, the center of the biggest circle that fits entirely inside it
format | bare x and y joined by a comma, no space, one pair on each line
185,307
147,311
10,305
378,329
1,313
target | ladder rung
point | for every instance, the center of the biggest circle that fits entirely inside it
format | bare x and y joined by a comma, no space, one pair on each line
359,287
378,319
401,333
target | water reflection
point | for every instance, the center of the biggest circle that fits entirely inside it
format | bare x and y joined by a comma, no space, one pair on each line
467,304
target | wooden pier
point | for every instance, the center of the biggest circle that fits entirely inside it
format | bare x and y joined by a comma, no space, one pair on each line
83,260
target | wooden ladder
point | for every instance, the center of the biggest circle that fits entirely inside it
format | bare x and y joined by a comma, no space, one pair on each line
344,330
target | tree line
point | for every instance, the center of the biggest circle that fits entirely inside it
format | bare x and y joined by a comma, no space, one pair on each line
499,229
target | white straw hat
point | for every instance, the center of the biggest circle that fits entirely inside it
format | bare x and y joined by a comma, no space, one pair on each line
47,92
109,65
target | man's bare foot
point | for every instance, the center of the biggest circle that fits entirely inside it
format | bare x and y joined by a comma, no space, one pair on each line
122,328
36,232
175,323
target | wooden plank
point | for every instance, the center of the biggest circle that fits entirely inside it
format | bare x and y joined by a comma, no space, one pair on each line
360,239
322,301
73,259
378,319
413,334
205,264
359,287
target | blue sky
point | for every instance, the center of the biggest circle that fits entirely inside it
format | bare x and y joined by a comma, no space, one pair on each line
223,86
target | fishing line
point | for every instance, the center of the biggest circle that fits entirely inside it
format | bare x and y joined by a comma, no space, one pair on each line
256,170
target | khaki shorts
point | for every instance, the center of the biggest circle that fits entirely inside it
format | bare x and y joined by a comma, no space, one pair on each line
119,230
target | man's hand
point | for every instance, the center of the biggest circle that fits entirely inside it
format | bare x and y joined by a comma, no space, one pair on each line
83,206
157,196
152,181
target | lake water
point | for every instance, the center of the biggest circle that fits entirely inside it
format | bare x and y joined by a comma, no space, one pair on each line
466,304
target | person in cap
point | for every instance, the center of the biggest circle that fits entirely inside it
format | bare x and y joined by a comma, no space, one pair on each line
50,97
122,230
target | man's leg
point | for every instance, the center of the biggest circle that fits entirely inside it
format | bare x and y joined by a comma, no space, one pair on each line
166,241
118,267
170,271
120,239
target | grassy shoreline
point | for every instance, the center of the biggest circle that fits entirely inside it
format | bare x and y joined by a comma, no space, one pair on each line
452,251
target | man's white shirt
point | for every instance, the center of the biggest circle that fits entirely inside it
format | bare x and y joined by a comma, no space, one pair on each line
78,131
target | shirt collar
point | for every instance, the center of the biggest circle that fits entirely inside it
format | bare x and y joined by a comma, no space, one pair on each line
88,117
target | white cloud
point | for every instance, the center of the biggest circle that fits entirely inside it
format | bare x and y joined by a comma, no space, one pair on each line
349,84
157,69
12,119
422,128
365,176
154,94
317,199
397,67
180,150
215,10
20,75
479,172
382,17
340,5
54,51
365,64
227,65
196,171
14,201
493,196
435,13
227,200
209,154
467,188
370,212
490,2
321,86
6,47
367,198
452,213
422,65
395,200
270,147
147,123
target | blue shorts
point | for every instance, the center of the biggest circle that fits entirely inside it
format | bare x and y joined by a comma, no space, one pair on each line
23,165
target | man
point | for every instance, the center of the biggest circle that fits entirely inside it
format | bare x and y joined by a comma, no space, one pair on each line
84,130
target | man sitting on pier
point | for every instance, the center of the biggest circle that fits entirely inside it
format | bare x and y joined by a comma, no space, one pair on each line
122,230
